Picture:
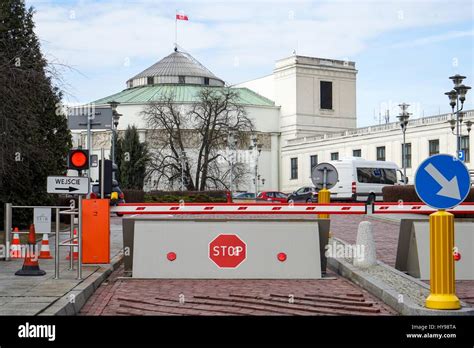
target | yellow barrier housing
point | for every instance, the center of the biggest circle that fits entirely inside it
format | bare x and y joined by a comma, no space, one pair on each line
324,196
442,280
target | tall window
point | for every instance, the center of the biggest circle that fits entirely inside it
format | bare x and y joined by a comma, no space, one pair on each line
313,160
181,79
407,155
357,153
465,147
325,88
433,147
334,156
206,81
381,153
149,80
294,168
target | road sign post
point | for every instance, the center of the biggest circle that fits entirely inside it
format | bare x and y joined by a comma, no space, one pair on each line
442,182
324,176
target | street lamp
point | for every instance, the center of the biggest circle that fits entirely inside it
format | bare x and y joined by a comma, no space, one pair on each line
115,118
403,118
257,149
457,97
182,158
232,146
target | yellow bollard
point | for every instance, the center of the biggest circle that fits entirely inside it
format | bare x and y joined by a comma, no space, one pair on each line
324,196
443,294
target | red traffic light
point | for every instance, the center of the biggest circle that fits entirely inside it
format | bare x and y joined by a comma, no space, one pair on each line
78,159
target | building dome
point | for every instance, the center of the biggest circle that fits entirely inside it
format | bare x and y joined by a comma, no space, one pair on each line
177,68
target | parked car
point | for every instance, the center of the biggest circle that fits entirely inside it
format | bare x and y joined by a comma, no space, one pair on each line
363,180
308,194
272,196
115,197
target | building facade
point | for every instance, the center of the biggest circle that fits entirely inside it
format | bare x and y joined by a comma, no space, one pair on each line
304,113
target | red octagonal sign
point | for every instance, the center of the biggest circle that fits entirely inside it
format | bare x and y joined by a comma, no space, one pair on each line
227,250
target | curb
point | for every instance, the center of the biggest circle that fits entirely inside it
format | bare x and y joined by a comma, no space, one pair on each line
82,291
386,293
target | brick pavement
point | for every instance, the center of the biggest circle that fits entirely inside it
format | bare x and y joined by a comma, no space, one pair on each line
331,296
386,240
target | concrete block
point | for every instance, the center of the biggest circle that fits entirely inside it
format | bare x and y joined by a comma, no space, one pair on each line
366,246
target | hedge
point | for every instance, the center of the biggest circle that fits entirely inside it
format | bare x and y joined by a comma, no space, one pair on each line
407,193
186,196
134,196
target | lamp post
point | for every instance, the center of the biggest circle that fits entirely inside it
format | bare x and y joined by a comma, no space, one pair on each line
182,158
457,96
232,146
115,118
257,149
403,118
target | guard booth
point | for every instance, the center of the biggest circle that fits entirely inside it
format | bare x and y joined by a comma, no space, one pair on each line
214,247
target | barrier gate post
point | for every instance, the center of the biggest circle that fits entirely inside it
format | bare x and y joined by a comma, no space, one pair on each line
442,281
324,196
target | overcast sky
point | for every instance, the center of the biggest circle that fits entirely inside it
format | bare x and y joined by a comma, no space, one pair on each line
404,50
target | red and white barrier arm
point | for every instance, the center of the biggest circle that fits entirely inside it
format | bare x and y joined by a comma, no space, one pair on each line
233,208
418,208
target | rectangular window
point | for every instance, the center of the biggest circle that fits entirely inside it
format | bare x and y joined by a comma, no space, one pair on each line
433,147
357,153
294,168
326,94
334,156
181,79
150,80
377,176
313,160
465,147
206,81
381,153
407,155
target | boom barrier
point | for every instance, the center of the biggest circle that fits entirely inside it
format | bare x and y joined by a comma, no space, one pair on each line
296,208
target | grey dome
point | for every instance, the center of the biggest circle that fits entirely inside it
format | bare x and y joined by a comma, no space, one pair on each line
177,68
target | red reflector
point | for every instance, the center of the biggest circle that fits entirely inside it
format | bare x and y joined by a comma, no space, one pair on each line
354,188
174,208
93,196
281,257
276,208
208,208
345,208
140,208
171,256
242,208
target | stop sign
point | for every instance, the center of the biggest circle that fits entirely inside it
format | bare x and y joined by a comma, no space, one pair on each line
227,250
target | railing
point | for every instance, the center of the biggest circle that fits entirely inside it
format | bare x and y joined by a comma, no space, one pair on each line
379,128
59,210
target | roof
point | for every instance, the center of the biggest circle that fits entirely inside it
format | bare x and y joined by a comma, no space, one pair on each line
177,64
182,94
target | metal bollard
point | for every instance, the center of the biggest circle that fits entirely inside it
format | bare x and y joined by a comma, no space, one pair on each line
324,196
442,278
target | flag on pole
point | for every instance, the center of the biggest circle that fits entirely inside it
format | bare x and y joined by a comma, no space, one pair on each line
181,16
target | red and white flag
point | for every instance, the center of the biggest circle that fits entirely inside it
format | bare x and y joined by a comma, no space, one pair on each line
181,16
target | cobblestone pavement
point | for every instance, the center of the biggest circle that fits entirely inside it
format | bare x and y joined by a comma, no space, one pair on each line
330,296
386,240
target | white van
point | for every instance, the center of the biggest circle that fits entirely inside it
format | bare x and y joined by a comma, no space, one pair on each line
361,180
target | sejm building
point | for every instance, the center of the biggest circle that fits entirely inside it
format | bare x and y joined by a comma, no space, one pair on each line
304,113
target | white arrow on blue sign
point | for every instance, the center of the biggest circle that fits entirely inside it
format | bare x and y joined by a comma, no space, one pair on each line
442,181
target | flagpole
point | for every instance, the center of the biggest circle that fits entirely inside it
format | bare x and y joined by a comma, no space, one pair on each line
176,30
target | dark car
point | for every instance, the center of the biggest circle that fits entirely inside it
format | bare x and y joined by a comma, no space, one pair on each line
272,196
307,194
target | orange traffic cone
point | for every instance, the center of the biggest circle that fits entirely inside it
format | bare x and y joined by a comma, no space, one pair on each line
75,250
31,265
45,252
15,249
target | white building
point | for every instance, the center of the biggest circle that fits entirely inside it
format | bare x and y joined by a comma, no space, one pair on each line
304,113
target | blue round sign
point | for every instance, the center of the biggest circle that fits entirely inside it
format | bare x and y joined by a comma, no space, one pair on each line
442,181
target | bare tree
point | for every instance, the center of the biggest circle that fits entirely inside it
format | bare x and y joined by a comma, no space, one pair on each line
200,131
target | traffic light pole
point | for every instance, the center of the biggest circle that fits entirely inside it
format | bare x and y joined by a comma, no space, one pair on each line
89,143
102,173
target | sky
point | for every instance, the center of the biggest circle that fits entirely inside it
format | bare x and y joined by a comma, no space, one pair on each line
404,50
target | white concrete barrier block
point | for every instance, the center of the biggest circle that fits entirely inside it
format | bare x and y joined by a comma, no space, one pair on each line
365,246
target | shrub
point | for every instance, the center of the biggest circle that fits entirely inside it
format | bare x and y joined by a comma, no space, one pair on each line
407,193
186,196
134,196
